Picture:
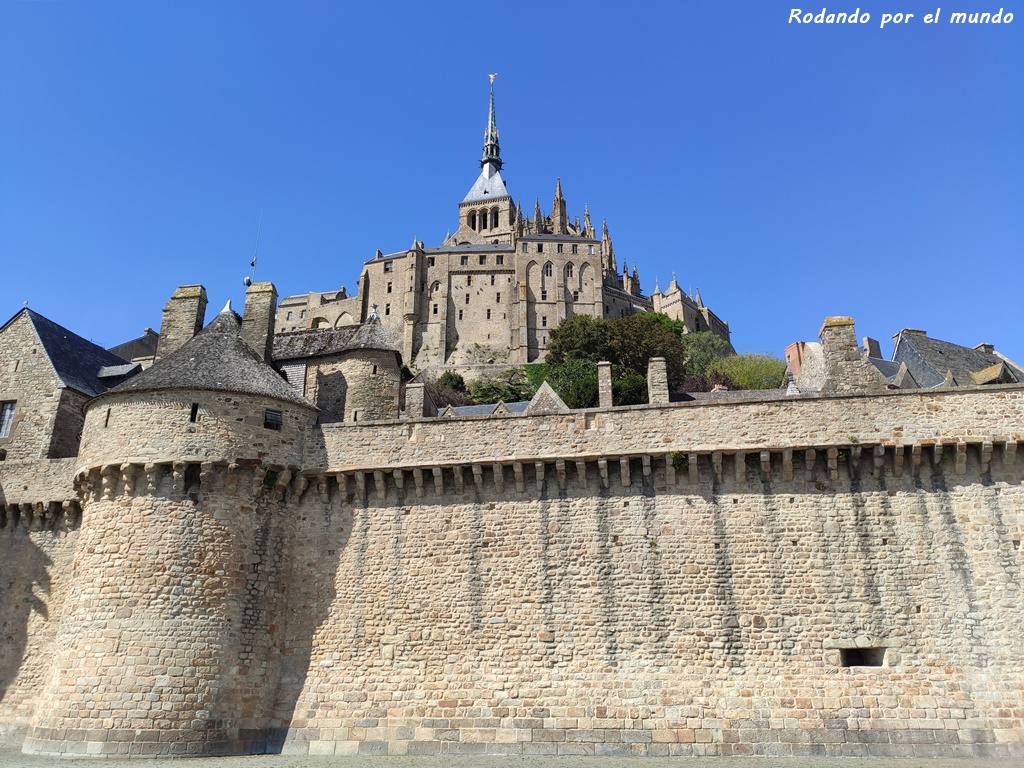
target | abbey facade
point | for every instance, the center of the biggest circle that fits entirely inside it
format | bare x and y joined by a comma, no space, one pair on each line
494,290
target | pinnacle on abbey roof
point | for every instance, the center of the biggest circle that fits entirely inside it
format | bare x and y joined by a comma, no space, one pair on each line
492,151
489,185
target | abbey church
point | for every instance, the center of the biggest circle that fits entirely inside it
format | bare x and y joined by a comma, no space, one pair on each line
493,291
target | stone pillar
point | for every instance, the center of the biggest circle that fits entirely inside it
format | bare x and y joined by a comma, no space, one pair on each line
183,318
657,381
604,384
258,320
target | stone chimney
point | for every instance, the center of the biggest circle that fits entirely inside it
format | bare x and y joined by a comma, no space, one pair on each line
872,347
847,369
183,318
988,349
657,381
258,320
604,384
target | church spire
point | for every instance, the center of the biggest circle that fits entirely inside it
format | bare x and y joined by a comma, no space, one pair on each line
492,152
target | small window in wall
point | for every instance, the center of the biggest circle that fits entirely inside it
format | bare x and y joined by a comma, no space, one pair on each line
193,414
540,247
575,248
6,417
488,314
543,294
590,250
435,309
387,309
430,261
375,370
288,316
389,286
523,249
460,314
575,295
548,270
464,260
497,298
483,260
560,248
106,419
302,314
499,259
3,454
469,280
862,657
467,298
544,321
568,270
388,265
273,420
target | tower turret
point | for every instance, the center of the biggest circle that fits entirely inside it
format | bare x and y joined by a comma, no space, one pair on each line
181,470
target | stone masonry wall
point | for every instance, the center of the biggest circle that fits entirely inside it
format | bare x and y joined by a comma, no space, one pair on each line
661,616
170,646
158,425
36,555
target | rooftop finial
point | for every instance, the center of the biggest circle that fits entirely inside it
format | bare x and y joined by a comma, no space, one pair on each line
227,308
492,152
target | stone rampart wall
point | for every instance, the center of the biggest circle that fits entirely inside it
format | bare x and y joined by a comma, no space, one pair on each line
891,419
662,617
36,553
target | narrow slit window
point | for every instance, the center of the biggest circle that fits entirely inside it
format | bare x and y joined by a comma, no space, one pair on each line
862,657
106,419
193,414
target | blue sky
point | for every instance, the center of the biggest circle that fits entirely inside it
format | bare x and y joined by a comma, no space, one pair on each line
787,171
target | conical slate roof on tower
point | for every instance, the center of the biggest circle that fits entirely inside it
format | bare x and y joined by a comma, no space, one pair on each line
215,359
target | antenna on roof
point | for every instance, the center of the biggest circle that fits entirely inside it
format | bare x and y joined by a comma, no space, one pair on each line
250,279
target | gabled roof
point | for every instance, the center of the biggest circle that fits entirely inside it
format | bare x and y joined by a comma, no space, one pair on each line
215,359
929,360
76,361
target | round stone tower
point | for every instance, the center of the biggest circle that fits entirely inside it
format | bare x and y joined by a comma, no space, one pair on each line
167,649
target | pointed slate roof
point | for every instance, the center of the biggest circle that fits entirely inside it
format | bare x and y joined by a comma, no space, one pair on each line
488,186
215,359
546,401
76,361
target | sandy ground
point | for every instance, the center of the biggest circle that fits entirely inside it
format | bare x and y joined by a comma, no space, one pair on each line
11,757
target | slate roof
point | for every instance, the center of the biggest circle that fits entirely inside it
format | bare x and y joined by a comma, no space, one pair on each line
215,359
488,409
488,186
76,361
319,342
887,368
928,360
144,346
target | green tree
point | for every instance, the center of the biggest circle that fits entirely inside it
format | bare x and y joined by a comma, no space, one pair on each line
508,386
575,381
637,338
581,337
751,371
701,350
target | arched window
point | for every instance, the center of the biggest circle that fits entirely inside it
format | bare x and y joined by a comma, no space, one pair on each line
568,270
548,270
471,220
494,218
